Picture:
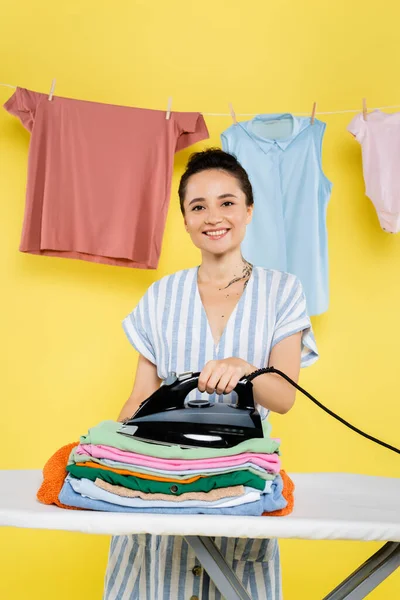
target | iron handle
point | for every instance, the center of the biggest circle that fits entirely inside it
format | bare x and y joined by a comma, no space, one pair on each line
243,389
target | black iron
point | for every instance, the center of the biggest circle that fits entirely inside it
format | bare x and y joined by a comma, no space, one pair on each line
165,417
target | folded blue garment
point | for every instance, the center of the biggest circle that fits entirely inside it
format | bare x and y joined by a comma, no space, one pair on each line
88,488
267,503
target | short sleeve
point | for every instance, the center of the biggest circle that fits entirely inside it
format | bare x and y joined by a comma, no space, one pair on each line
138,327
356,127
191,129
23,105
292,317
225,141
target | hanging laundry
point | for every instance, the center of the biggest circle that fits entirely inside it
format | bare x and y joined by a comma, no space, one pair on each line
379,136
99,177
282,156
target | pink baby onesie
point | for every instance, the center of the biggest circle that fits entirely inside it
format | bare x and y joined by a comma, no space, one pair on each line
379,136
99,177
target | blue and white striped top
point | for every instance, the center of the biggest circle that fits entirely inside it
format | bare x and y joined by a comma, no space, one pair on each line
169,327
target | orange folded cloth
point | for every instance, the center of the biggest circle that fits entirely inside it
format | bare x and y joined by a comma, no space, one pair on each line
54,473
287,493
140,475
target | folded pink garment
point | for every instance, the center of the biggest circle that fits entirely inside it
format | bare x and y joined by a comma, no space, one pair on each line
269,462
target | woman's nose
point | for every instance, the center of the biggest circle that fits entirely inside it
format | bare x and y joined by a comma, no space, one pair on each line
213,217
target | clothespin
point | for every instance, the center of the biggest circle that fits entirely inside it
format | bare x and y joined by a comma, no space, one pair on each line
232,113
168,115
314,108
365,109
53,85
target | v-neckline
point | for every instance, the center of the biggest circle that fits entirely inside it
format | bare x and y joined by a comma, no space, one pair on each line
234,311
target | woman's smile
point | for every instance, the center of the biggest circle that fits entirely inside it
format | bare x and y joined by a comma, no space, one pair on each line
216,234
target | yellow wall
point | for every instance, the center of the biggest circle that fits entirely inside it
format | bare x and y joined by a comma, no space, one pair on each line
65,363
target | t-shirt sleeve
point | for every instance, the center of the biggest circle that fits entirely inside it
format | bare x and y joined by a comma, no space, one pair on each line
292,317
225,141
191,129
139,326
356,127
23,105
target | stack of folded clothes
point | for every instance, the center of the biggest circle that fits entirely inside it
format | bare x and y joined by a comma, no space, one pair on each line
108,471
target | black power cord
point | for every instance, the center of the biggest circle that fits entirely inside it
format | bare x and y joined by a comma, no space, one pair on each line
330,412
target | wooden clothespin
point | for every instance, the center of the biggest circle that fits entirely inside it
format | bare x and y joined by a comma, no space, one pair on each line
168,114
314,108
53,86
365,109
232,113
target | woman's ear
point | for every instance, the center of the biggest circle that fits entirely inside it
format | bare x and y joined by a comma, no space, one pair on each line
249,213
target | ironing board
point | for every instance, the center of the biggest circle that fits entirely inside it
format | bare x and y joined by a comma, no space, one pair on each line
333,506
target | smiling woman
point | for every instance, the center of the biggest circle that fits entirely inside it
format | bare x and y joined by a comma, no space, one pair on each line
219,213
225,319
217,204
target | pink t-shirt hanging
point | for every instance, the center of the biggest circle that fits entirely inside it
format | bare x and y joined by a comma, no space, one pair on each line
99,177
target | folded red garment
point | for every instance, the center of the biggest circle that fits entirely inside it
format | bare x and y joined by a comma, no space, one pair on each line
54,473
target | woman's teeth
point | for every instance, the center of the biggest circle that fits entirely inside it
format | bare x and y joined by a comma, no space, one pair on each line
216,234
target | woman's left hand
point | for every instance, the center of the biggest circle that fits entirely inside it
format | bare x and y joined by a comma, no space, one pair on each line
223,375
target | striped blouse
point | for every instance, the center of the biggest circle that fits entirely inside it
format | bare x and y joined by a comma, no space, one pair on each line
169,327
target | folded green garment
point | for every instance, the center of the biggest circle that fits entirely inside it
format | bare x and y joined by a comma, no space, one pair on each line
204,484
106,434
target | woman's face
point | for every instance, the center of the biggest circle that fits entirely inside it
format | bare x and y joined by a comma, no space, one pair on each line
216,214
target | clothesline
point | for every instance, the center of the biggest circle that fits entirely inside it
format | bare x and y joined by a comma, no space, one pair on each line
331,112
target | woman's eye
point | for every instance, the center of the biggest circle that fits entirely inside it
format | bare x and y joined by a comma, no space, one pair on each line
199,206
